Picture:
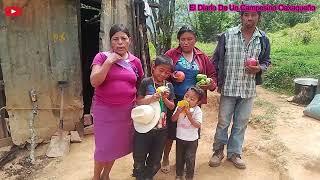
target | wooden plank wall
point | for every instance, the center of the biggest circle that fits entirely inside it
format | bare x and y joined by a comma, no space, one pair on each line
114,12
37,50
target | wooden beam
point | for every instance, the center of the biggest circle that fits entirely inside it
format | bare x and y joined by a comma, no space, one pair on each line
6,142
135,25
8,156
3,127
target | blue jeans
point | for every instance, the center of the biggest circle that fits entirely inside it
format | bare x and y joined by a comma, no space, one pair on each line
238,109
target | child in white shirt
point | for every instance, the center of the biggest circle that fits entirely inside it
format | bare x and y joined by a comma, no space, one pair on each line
189,119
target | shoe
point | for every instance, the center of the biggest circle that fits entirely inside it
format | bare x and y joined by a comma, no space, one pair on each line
237,161
216,158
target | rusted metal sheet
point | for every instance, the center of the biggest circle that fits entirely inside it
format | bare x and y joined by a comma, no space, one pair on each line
114,12
37,50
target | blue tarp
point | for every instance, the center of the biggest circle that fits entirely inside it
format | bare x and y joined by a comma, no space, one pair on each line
313,109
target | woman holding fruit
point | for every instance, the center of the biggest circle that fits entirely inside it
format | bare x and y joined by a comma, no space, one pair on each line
189,62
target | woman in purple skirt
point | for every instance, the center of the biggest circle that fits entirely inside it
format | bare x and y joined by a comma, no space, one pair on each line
114,75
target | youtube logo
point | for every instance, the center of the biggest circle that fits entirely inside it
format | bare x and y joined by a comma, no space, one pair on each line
13,11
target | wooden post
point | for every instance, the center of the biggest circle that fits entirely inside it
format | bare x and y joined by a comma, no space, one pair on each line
305,95
142,40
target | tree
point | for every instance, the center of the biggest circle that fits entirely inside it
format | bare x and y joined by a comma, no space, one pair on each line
274,21
210,24
162,23
206,24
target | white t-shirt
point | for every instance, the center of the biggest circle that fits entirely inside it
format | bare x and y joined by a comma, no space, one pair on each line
185,130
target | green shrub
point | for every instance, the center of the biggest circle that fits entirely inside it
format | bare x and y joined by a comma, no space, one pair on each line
281,77
152,51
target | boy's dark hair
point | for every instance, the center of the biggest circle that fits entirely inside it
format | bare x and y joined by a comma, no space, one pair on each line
118,28
198,91
185,29
162,59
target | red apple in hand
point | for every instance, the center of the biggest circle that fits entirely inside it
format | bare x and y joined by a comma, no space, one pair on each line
251,62
178,76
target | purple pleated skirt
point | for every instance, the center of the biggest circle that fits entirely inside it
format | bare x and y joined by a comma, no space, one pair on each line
113,131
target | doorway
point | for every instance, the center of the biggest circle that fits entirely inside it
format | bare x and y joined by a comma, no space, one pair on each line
4,127
90,28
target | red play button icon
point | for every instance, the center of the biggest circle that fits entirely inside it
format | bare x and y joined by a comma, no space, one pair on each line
13,11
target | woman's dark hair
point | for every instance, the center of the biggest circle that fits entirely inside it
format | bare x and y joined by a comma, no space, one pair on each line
185,29
162,59
198,91
118,28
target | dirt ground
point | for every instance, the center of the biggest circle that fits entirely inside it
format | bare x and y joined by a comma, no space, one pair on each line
280,144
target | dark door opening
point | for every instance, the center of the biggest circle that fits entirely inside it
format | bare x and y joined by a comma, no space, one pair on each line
90,28
4,131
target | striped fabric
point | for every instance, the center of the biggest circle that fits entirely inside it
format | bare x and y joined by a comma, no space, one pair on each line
239,83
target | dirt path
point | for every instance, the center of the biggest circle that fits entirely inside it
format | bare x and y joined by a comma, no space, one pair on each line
280,144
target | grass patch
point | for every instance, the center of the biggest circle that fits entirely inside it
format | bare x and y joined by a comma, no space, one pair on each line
266,120
295,52
207,48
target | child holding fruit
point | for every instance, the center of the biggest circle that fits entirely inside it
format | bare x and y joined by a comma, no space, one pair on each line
188,116
188,61
148,147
